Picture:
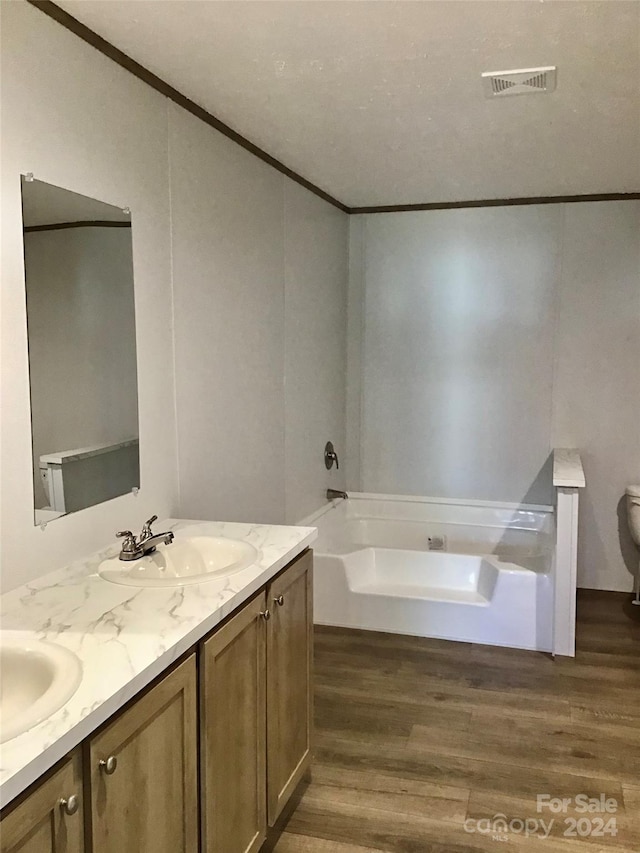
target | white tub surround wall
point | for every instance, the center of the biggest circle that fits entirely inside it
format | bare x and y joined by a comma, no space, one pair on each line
487,579
77,120
315,334
457,348
124,636
355,350
596,400
480,339
568,479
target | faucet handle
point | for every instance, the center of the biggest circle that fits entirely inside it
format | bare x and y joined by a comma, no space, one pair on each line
146,528
129,545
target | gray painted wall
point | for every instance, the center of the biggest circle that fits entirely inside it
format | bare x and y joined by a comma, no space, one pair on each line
255,261
260,284
77,120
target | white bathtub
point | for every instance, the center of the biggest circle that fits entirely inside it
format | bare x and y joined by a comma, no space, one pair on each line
491,582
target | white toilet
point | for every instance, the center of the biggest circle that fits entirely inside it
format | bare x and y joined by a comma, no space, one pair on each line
633,513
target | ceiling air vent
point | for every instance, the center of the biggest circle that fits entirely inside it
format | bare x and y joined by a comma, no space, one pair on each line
523,81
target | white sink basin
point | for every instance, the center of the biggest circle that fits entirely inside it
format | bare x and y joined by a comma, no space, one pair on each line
36,679
195,559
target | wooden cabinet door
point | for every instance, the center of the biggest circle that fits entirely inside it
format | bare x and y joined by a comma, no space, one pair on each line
147,800
232,734
41,823
289,681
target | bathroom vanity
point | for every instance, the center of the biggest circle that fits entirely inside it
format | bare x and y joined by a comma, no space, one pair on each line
214,733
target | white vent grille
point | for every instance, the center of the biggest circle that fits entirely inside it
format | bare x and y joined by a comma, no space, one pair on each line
523,81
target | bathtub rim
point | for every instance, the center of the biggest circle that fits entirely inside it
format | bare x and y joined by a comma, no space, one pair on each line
372,496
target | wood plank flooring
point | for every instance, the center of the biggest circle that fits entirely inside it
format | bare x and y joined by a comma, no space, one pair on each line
418,742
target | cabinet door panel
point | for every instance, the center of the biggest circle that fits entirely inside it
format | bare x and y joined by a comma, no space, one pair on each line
233,748
289,682
149,803
39,824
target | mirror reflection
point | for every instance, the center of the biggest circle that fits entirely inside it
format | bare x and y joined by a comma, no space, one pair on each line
82,349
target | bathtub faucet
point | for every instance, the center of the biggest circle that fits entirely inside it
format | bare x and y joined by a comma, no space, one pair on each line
332,494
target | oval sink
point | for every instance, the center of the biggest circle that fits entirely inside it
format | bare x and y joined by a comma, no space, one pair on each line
195,559
38,678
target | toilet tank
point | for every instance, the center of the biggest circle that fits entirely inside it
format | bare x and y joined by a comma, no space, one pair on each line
633,511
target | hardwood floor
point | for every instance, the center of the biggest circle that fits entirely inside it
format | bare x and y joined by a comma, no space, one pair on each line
419,742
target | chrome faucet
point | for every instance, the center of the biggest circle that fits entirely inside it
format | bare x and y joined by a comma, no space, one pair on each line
332,494
133,549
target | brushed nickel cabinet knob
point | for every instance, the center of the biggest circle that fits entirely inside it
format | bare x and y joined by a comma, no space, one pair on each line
70,805
266,614
279,600
108,765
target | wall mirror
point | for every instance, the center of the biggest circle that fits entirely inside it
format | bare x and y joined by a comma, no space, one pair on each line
82,349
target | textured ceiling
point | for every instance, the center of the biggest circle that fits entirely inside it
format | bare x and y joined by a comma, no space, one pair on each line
381,103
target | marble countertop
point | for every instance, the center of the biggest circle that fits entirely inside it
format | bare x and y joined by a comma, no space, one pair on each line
124,636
